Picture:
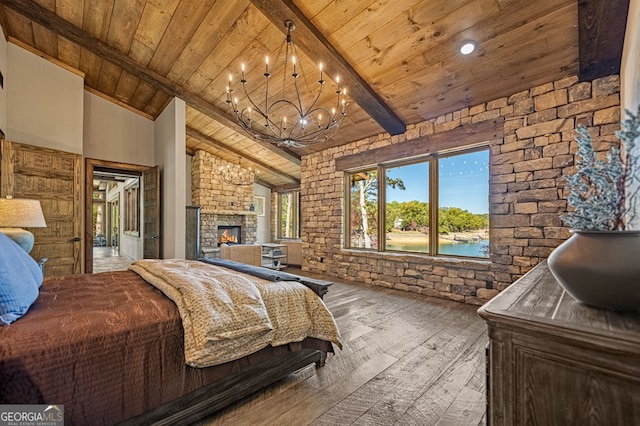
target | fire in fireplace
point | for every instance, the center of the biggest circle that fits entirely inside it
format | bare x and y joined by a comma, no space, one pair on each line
229,234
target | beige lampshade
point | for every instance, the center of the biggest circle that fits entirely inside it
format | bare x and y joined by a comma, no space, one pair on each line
21,213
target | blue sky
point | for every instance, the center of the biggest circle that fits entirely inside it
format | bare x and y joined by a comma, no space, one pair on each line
464,182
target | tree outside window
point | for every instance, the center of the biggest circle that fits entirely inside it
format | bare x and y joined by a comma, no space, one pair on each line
363,216
289,215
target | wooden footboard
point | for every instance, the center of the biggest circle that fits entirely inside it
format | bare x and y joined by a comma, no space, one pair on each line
205,401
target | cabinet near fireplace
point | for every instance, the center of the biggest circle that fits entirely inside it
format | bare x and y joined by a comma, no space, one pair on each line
555,361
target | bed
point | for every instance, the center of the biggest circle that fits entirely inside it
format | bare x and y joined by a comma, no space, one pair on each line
110,347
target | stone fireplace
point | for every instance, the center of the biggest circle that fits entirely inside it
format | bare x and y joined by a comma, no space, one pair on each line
214,224
222,204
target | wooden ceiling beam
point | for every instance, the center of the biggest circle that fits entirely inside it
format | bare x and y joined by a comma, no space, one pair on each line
316,46
464,136
285,188
601,31
211,141
58,25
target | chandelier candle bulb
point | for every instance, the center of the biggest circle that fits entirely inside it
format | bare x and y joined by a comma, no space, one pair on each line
320,66
242,68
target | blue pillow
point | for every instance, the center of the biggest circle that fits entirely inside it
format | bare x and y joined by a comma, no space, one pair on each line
20,279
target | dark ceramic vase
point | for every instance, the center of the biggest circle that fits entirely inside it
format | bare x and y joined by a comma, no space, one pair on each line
600,268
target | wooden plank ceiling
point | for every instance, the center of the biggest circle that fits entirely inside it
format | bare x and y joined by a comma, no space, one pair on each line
400,58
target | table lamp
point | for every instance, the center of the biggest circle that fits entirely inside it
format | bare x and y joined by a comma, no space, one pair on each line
16,213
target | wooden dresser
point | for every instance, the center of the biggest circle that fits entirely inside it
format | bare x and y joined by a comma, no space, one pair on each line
554,361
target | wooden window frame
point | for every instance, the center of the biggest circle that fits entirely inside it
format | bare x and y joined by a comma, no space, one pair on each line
296,215
131,211
434,186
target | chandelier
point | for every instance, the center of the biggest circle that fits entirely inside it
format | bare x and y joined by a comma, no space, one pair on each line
236,175
284,120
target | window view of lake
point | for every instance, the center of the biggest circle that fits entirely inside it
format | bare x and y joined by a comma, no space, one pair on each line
474,249
443,197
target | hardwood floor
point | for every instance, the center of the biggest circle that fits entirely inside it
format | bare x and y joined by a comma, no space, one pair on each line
407,360
108,259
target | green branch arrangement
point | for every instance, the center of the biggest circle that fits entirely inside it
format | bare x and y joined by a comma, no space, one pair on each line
604,193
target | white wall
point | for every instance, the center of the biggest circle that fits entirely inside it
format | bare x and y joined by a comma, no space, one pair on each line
3,92
114,133
170,146
630,81
263,234
46,102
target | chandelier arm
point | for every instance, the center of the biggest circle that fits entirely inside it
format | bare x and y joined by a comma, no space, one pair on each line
295,84
313,104
284,74
283,131
253,104
326,111
320,133
338,92
266,96
269,124
295,81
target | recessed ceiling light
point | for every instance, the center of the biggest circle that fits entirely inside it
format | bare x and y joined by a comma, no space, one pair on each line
468,47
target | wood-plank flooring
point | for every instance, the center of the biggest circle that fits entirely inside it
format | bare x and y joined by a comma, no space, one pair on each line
109,259
407,360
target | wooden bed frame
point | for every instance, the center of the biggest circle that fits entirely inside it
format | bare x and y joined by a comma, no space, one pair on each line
207,400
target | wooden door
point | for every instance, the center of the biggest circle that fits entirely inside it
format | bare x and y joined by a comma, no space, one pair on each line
54,178
151,182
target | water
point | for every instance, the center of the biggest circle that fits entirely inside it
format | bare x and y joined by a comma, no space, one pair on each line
464,249
458,249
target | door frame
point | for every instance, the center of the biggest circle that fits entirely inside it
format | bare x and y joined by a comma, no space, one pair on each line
90,165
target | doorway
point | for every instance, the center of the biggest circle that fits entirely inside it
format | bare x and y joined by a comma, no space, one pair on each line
122,215
116,212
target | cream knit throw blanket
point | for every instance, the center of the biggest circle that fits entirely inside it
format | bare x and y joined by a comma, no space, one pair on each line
227,315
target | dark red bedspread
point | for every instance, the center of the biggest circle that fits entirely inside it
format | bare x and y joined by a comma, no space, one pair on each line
108,347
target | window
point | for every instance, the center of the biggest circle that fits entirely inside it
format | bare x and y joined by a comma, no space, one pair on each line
450,190
363,211
289,215
407,208
132,209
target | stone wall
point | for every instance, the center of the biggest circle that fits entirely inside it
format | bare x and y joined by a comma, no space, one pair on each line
210,192
221,203
527,195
